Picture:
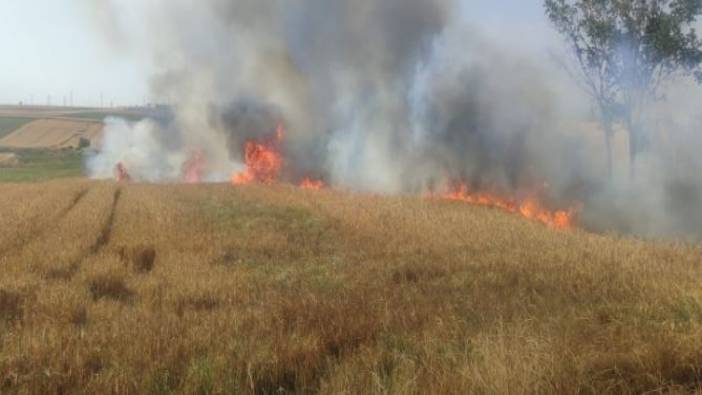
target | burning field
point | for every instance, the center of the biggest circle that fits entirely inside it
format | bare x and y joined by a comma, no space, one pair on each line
265,163
356,197
403,97
261,288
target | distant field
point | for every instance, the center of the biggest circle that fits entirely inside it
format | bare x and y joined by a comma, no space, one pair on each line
10,124
55,133
39,127
209,289
100,116
42,165
39,112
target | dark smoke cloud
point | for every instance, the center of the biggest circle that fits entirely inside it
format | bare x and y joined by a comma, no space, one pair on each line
388,96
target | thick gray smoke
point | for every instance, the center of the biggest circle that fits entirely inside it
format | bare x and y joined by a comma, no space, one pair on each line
387,96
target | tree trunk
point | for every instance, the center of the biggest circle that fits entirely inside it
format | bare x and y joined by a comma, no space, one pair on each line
632,157
608,129
609,133
633,148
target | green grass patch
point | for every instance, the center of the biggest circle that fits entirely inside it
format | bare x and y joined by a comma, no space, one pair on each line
10,124
263,232
249,216
42,165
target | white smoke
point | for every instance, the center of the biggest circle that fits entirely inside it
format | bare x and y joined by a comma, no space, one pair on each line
141,149
391,96
136,147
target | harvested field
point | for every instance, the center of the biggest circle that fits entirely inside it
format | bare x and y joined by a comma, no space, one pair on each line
32,111
54,134
8,160
38,112
121,288
10,124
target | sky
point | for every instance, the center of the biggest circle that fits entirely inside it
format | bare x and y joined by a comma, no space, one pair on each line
53,48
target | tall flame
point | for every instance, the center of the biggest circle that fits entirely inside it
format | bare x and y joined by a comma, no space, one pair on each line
530,208
121,173
263,160
194,167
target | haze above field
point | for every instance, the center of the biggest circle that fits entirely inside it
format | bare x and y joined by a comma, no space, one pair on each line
72,54
387,97
52,48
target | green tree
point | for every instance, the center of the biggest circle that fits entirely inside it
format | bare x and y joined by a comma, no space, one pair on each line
626,50
83,143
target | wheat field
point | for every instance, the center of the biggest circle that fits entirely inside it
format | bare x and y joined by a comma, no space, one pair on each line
214,289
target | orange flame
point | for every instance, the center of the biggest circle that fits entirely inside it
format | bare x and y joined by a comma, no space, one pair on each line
263,160
309,183
528,208
194,168
121,173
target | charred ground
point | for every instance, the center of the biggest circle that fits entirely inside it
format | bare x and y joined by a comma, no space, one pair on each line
218,289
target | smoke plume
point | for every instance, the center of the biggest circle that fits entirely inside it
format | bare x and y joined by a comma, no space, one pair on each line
387,96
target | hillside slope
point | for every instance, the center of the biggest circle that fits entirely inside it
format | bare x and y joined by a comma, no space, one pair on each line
215,289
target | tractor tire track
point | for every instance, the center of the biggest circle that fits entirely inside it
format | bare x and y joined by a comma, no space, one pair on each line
71,206
106,232
102,240
51,224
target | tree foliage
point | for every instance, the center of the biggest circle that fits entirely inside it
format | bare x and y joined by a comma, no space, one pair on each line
627,49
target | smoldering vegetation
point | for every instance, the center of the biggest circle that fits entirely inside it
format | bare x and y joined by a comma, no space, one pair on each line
398,96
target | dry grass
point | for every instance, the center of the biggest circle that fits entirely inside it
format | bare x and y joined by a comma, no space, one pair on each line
213,289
